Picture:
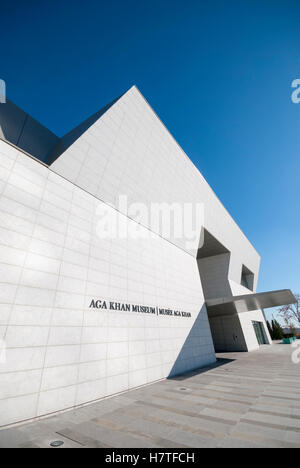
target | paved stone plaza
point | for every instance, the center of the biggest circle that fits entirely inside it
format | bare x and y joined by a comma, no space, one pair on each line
245,400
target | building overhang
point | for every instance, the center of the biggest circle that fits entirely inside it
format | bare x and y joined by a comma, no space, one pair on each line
248,302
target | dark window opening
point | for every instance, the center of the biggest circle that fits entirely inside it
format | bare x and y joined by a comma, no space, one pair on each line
247,278
260,333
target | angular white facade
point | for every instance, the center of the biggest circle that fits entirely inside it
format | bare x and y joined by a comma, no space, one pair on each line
57,351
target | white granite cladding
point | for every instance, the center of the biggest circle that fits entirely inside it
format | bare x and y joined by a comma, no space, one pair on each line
236,332
246,320
59,352
129,151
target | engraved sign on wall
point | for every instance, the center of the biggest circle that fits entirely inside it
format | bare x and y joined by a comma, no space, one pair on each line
125,307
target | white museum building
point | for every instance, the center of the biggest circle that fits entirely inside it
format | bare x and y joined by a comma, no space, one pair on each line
88,310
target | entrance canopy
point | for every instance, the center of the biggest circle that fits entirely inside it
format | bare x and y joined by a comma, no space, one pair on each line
247,302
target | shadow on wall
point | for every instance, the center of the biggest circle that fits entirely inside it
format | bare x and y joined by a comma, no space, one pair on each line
214,272
23,131
227,334
213,260
198,349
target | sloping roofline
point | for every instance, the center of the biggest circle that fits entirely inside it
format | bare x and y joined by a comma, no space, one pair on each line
54,146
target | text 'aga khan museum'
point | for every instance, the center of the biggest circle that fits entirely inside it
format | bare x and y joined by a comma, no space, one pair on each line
96,298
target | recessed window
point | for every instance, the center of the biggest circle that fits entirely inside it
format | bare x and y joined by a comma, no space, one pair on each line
247,279
260,333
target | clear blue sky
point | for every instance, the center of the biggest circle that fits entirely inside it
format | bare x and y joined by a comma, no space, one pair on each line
217,73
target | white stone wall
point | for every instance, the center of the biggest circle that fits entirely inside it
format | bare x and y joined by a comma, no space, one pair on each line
228,334
59,352
129,151
214,276
235,333
246,319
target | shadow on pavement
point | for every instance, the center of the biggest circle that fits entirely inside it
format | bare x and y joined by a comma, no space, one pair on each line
220,362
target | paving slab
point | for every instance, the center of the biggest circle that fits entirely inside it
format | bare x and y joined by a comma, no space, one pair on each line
245,400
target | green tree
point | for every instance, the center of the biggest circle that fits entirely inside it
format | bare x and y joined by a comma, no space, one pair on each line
277,332
270,329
